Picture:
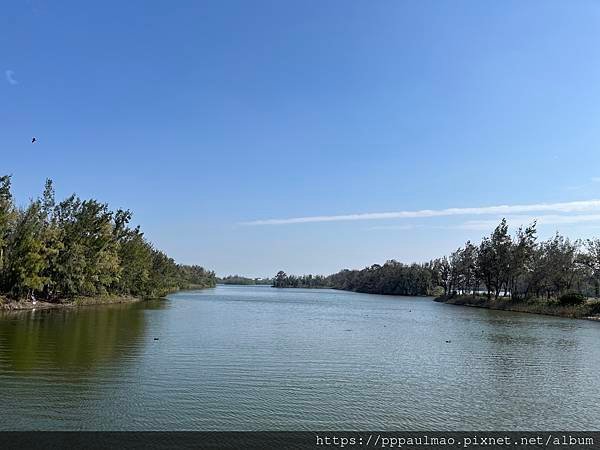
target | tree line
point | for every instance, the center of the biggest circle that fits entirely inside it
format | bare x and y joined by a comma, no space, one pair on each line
239,280
517,266
283,280
60,250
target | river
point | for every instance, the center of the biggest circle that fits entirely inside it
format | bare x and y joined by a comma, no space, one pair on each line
257,358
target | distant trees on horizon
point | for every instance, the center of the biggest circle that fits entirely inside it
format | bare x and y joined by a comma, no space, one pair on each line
76,247
501,265
239,280
282,280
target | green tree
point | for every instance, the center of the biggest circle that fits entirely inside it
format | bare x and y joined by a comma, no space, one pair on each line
280,280
494,259
522,257
52,239
6,217
88,263
26,253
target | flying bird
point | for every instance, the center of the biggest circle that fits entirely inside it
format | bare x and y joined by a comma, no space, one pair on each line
33,140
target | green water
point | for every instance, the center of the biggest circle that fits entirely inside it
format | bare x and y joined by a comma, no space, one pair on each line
253,358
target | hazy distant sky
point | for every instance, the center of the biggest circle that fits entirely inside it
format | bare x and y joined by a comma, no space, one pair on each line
216,122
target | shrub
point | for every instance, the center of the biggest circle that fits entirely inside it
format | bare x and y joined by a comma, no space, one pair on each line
572,298
437,291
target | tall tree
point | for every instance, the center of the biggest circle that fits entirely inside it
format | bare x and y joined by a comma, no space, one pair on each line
494,259
6,216
522,257
26,253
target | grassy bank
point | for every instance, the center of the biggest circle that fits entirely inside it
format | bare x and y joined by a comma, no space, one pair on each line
16,305
9,304
192,287
588,310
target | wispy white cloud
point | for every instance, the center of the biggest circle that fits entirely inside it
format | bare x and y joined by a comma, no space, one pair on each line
513,220
10,77
546,219
565,207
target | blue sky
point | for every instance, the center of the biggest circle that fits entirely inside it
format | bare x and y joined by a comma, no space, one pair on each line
205,118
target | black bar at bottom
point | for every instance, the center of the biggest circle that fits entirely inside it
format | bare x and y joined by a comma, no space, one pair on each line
314,440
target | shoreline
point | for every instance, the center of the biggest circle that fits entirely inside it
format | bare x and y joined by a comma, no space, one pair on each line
27,305
586,311
7,304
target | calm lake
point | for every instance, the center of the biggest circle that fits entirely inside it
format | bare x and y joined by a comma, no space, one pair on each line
254,358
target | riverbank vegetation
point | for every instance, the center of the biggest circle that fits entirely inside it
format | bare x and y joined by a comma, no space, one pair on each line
503,271
57,251
590,308
239,280
391,278
282,280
